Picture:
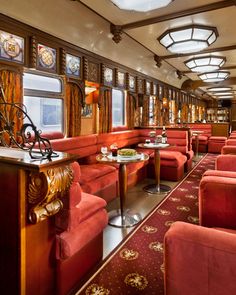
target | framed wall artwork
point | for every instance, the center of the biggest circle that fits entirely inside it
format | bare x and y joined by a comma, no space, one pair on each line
120,79
87,111
132,83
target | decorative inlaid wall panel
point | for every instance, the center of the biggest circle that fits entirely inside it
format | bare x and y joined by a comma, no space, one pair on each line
46,57
73,65
93,72
11,47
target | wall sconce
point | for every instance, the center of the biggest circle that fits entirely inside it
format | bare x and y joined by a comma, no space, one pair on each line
89,89
188,39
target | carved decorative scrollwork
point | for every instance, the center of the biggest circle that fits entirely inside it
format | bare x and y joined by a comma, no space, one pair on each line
45,190
158,60
27,137
117,32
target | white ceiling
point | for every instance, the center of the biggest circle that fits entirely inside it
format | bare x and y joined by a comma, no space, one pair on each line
224,19
86,23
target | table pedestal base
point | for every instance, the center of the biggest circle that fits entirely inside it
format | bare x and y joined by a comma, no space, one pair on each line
155,189
128,219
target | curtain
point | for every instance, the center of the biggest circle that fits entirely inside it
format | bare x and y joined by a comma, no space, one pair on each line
145,117
74,98
105,111
11,82
157,112
130,110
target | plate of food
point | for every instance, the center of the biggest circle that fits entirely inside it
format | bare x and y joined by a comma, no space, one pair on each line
128,154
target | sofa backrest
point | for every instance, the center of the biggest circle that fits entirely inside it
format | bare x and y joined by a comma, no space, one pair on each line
205,128
177,138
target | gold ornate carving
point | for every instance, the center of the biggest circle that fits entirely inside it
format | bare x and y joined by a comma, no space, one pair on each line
45,191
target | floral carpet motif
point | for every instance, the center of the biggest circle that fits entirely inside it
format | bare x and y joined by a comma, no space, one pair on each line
136,267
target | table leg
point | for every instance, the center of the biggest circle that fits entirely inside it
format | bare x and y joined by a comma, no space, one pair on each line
123,217
197,143
157,188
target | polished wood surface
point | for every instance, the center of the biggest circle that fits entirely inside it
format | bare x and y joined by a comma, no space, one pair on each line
28,261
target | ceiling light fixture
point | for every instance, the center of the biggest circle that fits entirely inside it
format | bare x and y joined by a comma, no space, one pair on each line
188,39
222,93
89,89
214,76
219,89
141,5
225,97
205,63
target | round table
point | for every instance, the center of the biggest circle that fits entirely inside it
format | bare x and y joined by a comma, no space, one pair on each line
196,133
156,188
123,217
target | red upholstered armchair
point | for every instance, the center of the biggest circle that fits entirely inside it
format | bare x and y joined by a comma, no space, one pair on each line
201,260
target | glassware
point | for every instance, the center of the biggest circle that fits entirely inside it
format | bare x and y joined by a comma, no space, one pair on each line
114,149
104,150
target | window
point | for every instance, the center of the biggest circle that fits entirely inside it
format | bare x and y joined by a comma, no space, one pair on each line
118,108
43,100
152,100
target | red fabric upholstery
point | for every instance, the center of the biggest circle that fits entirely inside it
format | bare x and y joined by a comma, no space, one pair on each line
70,271
231,141
72,241
228,149
93,171
226,162
216,143
202,138
172,165
79,225
217,202
199,261
99,179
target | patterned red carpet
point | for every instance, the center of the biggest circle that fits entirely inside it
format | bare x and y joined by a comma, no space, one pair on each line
136,267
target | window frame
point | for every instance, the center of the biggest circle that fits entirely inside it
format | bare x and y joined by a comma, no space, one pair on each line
124,96
47,95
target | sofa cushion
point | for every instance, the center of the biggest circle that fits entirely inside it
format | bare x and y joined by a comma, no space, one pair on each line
93,171
171,158
70,242
88,206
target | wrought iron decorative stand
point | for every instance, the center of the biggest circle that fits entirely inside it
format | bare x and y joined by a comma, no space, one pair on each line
28,137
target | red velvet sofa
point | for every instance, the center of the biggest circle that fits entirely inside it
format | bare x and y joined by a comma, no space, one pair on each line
101,179
79,242
202,138
201,260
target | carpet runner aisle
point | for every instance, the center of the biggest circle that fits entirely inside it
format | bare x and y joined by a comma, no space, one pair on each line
136,267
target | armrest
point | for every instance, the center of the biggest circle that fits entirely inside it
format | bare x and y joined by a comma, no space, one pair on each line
226,162
199,261
217,201
228,149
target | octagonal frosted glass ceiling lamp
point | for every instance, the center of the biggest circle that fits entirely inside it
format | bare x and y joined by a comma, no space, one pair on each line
188,39
141,5
205,63
219,88
212,77
225,97
221,93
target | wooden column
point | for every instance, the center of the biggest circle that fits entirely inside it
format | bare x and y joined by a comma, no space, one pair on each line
30,196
